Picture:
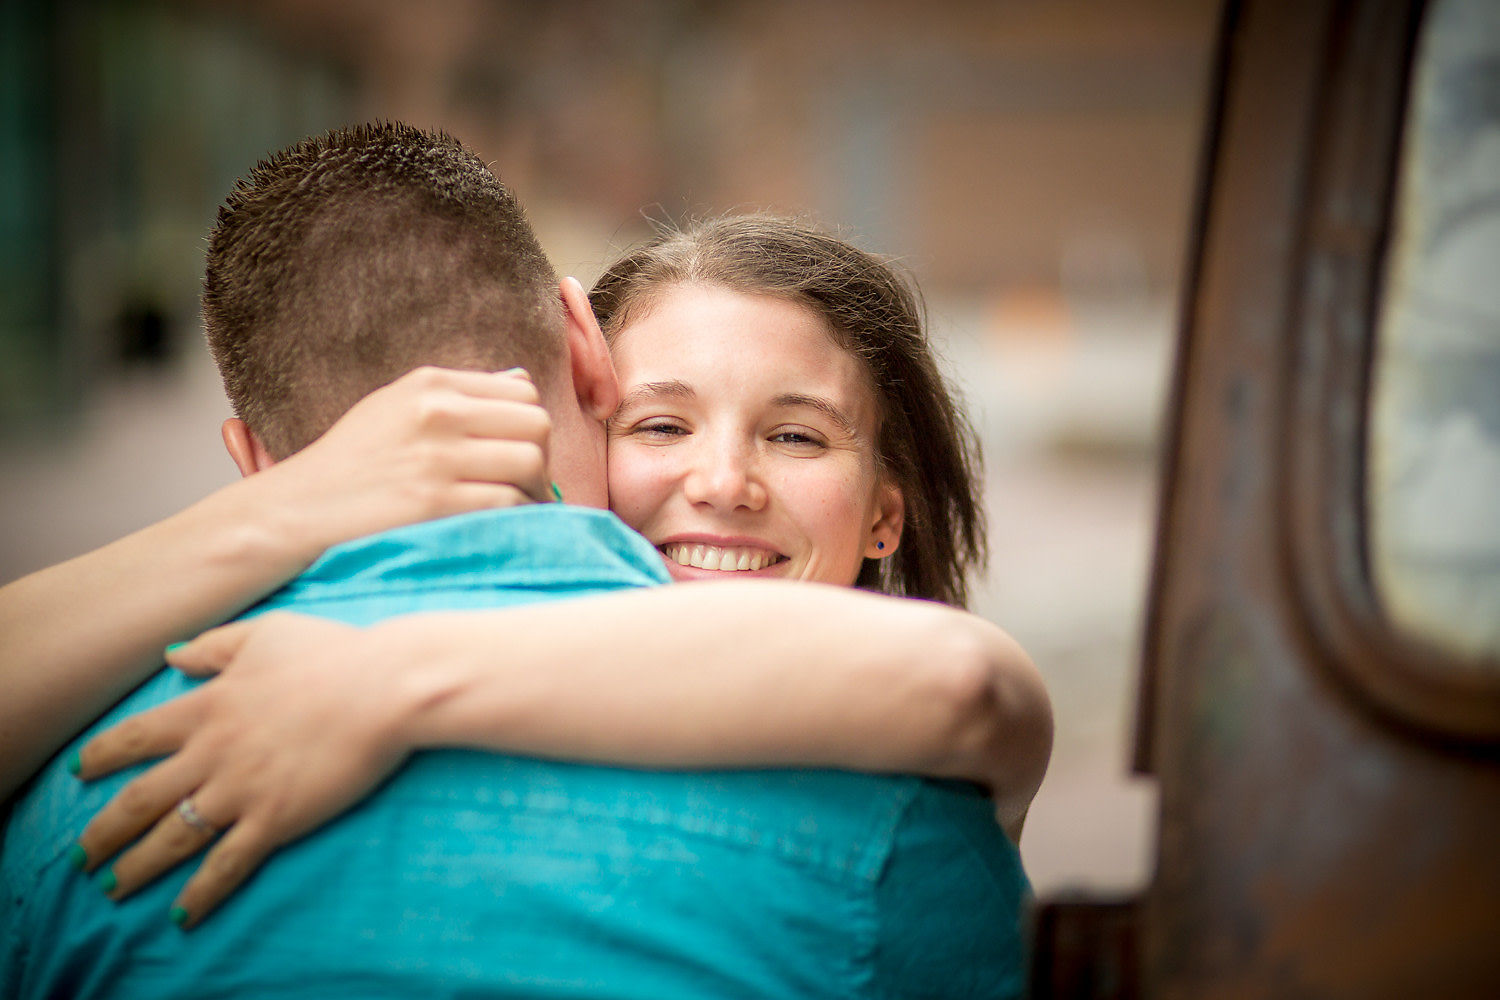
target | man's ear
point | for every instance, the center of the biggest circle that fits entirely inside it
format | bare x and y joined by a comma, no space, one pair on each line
593,372
245,448
890,516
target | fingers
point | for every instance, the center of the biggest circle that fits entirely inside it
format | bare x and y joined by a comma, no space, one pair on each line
237,855
499,442
498,419
465,497
515,384
172,840
507,421
140,804
506,463
209,653
408,451
153,733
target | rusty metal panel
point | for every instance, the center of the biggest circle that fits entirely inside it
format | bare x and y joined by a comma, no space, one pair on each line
1313,842
1086,949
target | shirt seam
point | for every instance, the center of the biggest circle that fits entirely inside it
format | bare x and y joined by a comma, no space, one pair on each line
874,981
17,946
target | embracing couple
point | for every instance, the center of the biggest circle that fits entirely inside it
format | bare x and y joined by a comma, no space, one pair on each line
806,779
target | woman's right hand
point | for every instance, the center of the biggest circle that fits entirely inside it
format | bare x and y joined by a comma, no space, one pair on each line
266,751
433,443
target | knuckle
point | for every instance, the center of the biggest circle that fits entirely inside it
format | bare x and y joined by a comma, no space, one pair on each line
137,731
534,459
123,740
133,800
177,838
415,381
433,411
541,426
225,865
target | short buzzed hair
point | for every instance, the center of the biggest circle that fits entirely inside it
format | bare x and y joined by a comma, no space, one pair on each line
350,258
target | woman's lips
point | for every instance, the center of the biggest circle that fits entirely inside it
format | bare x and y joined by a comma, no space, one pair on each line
708,558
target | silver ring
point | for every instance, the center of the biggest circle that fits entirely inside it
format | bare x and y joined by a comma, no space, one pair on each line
193,818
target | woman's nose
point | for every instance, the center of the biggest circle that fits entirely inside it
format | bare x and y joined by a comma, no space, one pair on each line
725,476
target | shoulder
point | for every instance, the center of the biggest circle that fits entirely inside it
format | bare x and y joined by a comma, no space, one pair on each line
46,816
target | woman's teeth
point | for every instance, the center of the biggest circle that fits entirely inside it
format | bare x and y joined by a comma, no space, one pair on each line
714,557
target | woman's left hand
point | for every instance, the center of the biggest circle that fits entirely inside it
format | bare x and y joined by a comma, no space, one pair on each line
292,733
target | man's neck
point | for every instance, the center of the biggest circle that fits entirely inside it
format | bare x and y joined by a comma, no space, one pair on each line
577,456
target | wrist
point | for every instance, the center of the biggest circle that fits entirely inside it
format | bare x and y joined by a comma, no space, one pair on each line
421,674
274,524
233,546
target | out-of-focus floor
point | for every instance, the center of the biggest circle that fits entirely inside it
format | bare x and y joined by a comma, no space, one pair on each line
1071,550
1068,407
1068,426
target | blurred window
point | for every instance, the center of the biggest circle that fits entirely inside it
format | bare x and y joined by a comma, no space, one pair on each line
1434,460
122,125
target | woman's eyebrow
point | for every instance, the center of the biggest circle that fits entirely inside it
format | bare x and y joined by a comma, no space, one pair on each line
671,388
825,406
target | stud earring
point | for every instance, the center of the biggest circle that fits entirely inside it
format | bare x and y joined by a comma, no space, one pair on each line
880,546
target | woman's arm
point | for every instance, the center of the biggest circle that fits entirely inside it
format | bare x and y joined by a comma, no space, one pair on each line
728,674
722,674
77,636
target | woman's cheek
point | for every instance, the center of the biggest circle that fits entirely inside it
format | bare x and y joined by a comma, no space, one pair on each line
636,479
835,503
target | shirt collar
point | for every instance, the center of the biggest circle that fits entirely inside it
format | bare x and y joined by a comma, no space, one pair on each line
538,546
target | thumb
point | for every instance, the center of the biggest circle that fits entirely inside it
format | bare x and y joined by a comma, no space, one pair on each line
210,652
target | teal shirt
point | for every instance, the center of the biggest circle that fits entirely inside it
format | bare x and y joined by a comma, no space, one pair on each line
474,874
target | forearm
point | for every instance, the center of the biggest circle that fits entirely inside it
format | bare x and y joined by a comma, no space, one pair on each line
309,714
75,637
78,635
731,674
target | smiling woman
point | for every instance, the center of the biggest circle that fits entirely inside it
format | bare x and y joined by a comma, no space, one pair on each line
770,470
814,338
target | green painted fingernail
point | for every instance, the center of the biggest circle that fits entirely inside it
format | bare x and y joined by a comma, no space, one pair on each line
75,763
78,857
172,648
557,493
177,915
107,880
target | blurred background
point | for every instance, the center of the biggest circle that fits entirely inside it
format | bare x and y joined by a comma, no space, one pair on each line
1030,161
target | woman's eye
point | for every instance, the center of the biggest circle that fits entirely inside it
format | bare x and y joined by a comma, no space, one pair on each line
660,428
799,438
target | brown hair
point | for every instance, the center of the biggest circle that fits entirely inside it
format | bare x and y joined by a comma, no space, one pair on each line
926,446
347,259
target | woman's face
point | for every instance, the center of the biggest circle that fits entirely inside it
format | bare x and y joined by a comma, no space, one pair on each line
745,442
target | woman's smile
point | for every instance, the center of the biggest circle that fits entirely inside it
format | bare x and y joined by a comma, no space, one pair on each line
719,558
745,442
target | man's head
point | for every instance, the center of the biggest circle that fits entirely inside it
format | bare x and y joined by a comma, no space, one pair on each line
347,259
